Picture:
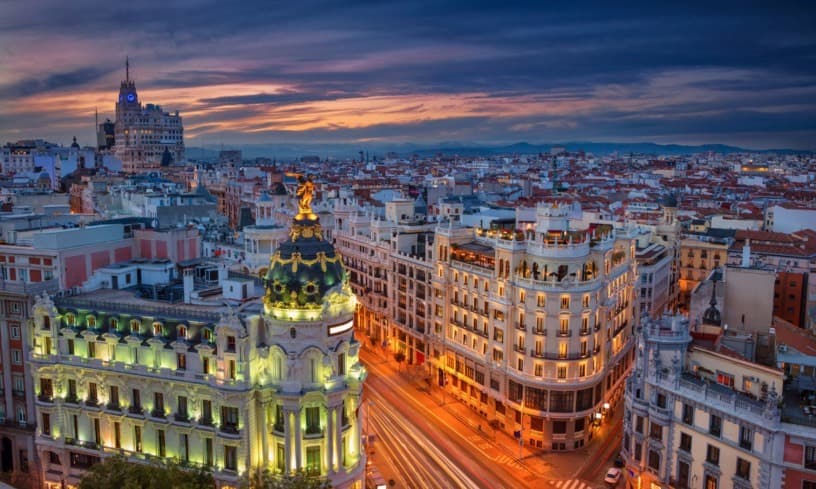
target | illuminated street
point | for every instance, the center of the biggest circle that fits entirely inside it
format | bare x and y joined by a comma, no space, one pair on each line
419,443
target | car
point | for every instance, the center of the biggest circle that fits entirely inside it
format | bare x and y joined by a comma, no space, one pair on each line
613,475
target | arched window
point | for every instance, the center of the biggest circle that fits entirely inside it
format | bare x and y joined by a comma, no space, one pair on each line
46,322
157,329
91,320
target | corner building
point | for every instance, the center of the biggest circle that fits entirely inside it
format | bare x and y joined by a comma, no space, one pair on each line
267,385
532,326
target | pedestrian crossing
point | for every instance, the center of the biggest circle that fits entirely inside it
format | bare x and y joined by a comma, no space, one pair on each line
507,461
571,484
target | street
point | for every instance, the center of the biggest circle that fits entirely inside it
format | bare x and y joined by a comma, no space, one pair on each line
426,439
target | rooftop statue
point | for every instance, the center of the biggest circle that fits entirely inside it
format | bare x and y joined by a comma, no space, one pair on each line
305,191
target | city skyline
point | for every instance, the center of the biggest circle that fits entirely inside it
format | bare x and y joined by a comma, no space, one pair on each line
340,72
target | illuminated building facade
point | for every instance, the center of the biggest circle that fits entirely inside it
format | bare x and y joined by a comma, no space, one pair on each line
531,327
145,136
268,385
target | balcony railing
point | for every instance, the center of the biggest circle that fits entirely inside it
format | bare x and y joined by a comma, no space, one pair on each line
564,333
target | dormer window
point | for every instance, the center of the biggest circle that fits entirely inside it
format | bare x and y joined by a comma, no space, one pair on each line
206,334
70,319
114,324
157,329
91,320
46,322
182,332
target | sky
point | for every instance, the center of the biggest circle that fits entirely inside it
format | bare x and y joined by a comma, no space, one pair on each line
261,72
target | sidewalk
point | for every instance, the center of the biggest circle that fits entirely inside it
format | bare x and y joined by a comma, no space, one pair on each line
540,464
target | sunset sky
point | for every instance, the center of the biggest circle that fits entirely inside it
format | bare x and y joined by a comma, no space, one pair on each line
423,72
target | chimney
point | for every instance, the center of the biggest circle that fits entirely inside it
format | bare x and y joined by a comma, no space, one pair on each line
746,254
188,285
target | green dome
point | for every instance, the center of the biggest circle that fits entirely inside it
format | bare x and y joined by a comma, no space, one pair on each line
304,268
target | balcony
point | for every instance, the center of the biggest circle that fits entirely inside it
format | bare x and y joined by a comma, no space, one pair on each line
45,398
92,403
521,327
519,348
229,428
584,332
72,399
113,406
181,417
136,410
157,413
205,421
564,333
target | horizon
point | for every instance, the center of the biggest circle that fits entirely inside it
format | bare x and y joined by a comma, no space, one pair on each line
340,73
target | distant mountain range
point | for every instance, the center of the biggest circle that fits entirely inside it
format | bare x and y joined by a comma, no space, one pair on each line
287,152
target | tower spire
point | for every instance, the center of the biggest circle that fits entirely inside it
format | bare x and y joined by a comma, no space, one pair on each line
127,68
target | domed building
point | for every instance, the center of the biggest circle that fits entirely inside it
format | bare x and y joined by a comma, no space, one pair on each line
272,384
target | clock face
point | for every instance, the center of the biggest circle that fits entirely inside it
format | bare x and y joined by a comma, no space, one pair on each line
131,97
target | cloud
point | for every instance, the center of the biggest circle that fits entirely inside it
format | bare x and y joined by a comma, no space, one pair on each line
368,70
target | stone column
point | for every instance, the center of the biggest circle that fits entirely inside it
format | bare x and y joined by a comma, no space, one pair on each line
338,438
330,440
298,440
264,432
287,437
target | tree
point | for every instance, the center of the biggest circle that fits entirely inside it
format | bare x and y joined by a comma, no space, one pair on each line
118,473
298,480
399,357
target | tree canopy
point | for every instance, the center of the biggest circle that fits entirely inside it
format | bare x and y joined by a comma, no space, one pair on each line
118,473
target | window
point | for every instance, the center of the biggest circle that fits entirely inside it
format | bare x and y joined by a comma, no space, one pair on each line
281,457
586,301
231,369
582,370
230,458
713,455
91,349
564,326
810,458
746,438
562,372
312,420
158,404
160,441
70,346
46,388
639,424
205,365
725,379
113,396
341,364
157,328
743,469
208,452
184,446
231,343
683,472
685,442
15,332
655,431
715,425
91,320
229,418
136,399
182,332
182,406
313,460
72,391
711,481
540,300
206,411
654,460
92,393
181,361
565,302
117,434
46,424
206,334
520,364
97,432
16,357
688,414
